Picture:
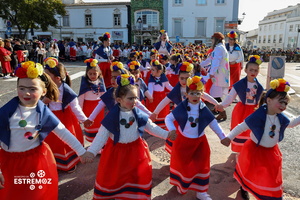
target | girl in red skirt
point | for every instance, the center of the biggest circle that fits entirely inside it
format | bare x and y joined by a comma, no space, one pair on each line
190,157
259,164
104,56
125,170
249,91
27,165
173,69
158,85
69,112
91,88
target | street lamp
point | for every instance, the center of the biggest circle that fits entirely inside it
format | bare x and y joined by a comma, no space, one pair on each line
60,26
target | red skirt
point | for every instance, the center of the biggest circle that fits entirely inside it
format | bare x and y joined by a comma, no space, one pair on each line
73,54
88,108
259,171
106,73
235,73
238,117
157,98
29,175
169,143
190,164
65,157
173,79
146,76
124,171
208,85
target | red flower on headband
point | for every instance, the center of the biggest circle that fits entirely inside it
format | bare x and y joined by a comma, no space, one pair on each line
21,72
193,86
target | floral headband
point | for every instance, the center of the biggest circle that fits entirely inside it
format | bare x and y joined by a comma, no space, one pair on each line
106,35
134,54
195,59
115,66
280,85
91,62
125,79
162,31
134,65
232,34
155,63
255,59
186,67
195,83
29,69
197,53
50,64
163,56
154,51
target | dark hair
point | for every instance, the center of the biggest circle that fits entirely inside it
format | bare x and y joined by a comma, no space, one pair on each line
272,94
176,58
122,91
160,67
102,39
248,63
60,71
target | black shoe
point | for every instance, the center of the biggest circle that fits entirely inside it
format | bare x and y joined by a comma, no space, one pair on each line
244,194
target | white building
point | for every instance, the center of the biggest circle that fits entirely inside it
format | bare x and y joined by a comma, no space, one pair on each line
87,21
195,21
280,29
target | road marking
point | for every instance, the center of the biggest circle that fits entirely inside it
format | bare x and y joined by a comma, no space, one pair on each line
289,114
293,76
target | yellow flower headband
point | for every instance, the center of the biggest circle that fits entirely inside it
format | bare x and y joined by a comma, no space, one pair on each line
134,65
125,79
195,83
154,63
255,59
162,31
51,62
29,69
115,66
280,85
186,67
91,62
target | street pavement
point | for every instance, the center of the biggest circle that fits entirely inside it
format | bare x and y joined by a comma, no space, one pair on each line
79,185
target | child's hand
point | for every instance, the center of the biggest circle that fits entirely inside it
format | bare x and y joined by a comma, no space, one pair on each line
88,123
226,141
172,135
153,117
219,107
150,100
87,157
1,181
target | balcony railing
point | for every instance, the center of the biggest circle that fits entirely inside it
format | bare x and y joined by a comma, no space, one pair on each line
145,27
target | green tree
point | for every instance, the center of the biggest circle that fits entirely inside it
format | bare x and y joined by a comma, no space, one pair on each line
27,14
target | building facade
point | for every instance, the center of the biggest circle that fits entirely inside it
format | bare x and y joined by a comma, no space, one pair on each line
280,29
195,21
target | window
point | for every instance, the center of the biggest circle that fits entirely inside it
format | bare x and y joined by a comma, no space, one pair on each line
149,17
220,25
260,28
275,27
274,39
269,38
281,25
177,2
259,39
265,27
280,38
270,27
88,20
264,40
201,2
201,27
220,1
177,27
117,20
291,28
66,20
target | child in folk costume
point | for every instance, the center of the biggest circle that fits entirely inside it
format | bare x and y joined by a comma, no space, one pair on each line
125,170
173,69
190,157
147,72
158,84
249,91
134,69
67,109
107,99
104,56
25,123
259,164
91,88
73,50
177,95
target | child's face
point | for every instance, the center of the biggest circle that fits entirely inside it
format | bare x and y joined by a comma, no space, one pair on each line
136,74
277,105
194,96
153,57
182,79
155,72
113,80
172,62
93,74
129,100
252,71
30,91
163,61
